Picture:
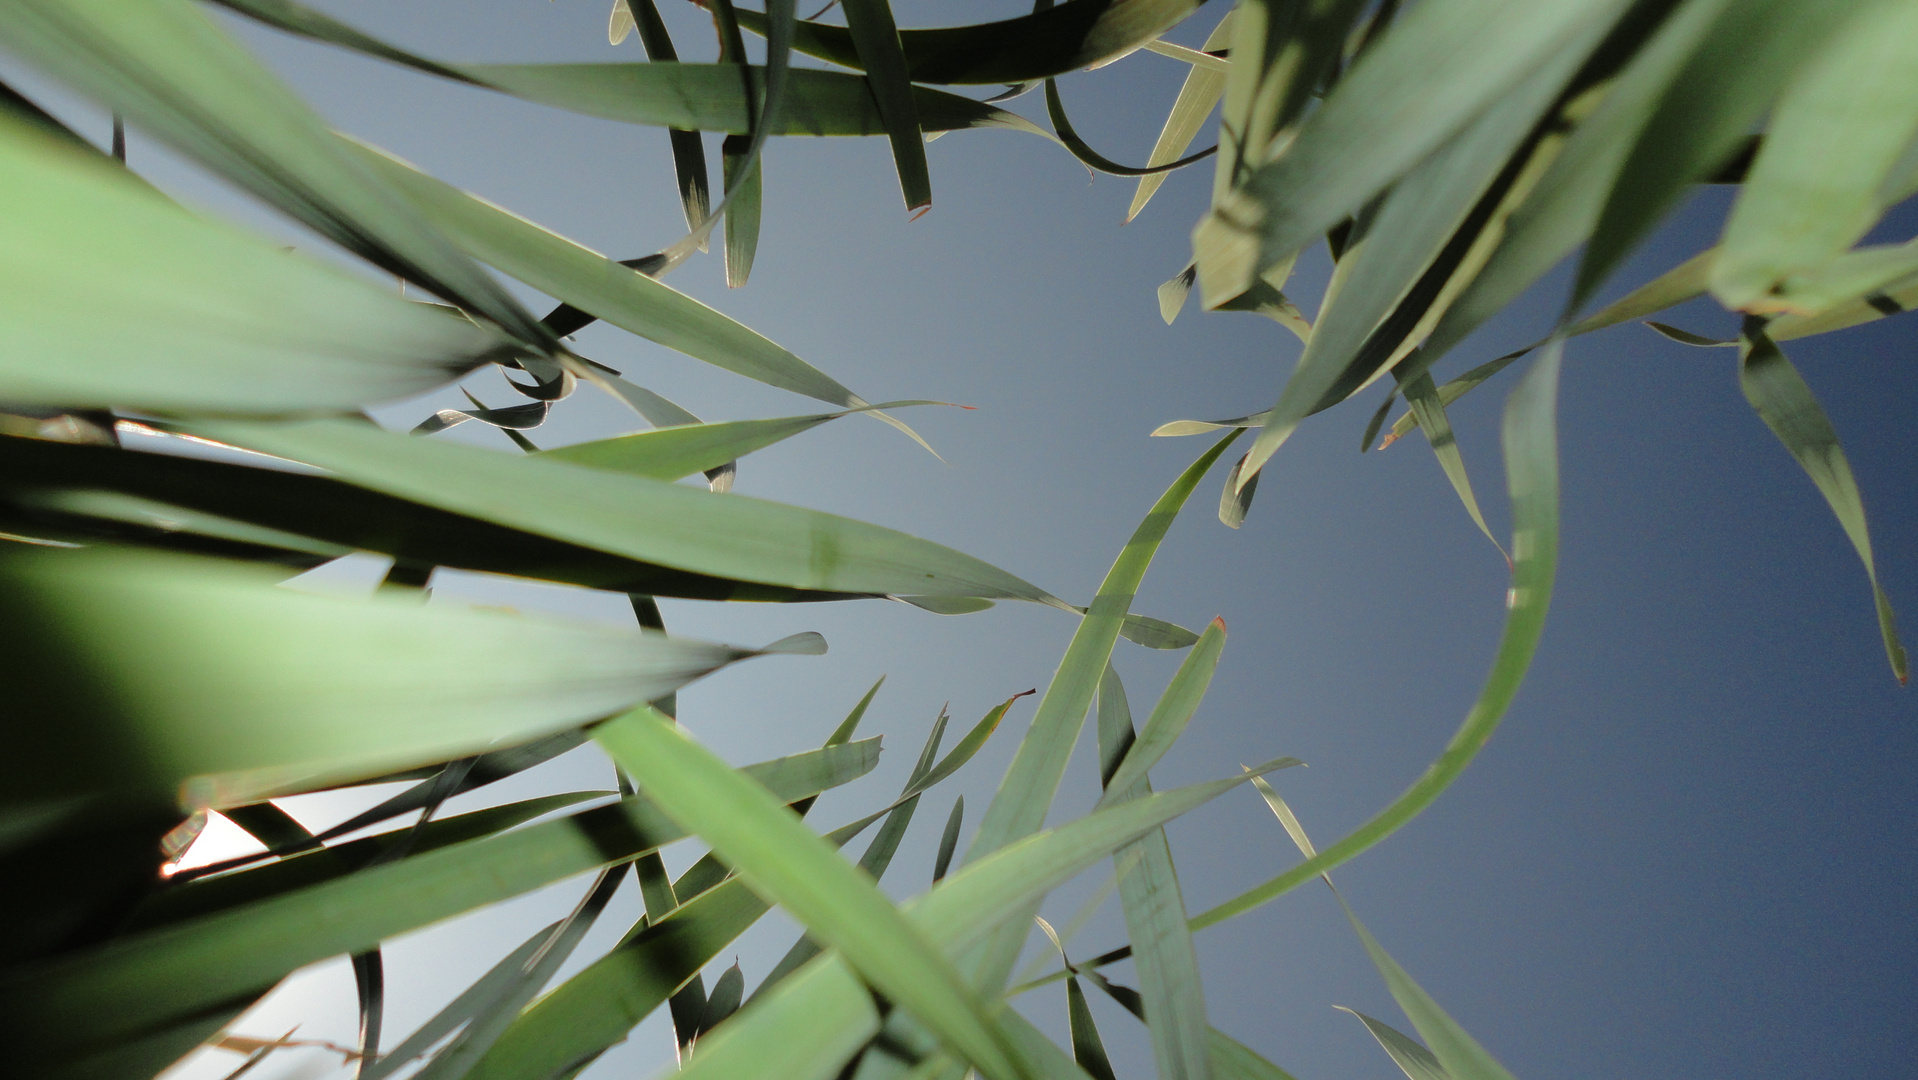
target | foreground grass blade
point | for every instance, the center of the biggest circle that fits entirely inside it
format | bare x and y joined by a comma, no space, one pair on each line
1075,34
1092,159
167,67
1415,1061
1203,88
1531,470
987,893
1233,1060
1785,403
1703,118
1833,139
489,988
723,535
1458,1053
1019,807
1436,68
741,207
114,296
166,498
1149,892
794,867
60,1008
876,37
237,691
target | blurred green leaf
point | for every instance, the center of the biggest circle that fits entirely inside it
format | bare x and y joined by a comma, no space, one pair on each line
115,296
1458,1054
151,677
1864,272
1233,1060
89,1000
1412,1059
1836,135
166,66
1785,403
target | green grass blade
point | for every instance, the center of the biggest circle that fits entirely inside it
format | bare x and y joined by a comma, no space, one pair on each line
875,36
1867,271
1703,118
677,452
1458,1053
721,535
1233,1060
949,840
1171,715
221,500
741,207
1896,298
1087,1048
150,979
1019,807
1435,70
1415,1061
602,288
1200,93
1531,470
487,989
1073,35
172,71
1834,138
115,296
805,875
822,1016
1149,893
1423,397
1092,159
236,690
964,749
1392,284
1785,403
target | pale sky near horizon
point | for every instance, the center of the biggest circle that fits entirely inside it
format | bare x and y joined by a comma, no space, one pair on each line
1689,850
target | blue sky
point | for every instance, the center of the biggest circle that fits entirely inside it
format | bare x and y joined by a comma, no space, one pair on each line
1688,851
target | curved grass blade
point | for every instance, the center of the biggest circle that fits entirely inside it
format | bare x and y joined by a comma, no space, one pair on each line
1092,159
875,36
1073,35
115,296
633,516
1203,87
1415,1061
1836,135
801,872
689,152
1531,469
154,978
1785,403
167,67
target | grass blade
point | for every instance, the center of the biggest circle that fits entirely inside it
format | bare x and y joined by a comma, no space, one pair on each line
1415,1061
1171,715
1203,88
1460,1055
876,38
116,297
1019,807
1423,397
1531,470
1785,403
801,872
949,840
1087,1048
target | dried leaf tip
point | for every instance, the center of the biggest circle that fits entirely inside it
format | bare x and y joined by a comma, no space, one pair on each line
1219,621
923,211
1388,440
